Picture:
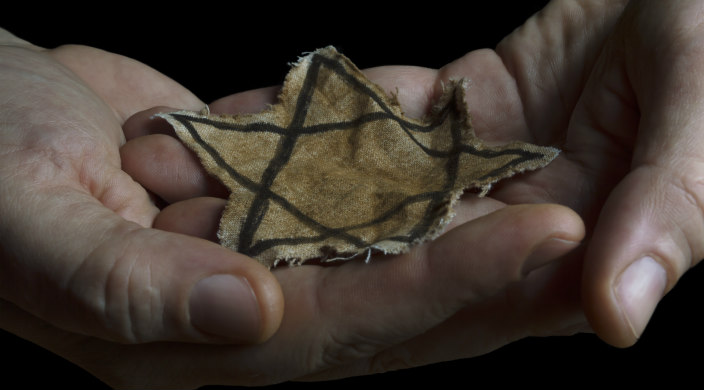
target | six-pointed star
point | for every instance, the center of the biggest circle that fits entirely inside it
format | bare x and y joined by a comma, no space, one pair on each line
334,169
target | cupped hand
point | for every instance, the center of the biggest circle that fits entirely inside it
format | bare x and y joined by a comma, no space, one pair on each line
619,87
643,101
77,247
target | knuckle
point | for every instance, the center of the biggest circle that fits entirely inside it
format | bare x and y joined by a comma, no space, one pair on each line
114,289
338,351
691,191
396,359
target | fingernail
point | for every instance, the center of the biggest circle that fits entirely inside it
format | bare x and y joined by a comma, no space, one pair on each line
547,251
225,306
638,290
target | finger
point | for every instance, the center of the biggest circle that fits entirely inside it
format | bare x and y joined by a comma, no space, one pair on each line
650,230
128,86
414,87
197,217
166,167
641,246
472,206
96,274
146,123
245,102
150,365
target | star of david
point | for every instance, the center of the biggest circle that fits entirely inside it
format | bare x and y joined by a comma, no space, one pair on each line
335,169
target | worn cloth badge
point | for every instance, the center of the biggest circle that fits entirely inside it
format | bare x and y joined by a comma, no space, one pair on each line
334,169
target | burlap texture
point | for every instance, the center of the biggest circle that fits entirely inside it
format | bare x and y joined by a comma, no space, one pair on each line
334,169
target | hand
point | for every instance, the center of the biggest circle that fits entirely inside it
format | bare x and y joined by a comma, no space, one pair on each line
619,88
631,146
644,101
77,251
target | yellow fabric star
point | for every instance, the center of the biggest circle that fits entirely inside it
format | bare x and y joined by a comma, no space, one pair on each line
334,169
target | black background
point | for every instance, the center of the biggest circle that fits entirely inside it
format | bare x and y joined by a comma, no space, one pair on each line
215,51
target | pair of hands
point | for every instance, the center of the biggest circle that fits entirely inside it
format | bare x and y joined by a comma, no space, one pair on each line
91,269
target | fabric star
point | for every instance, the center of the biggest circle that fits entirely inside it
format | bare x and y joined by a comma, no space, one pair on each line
334,169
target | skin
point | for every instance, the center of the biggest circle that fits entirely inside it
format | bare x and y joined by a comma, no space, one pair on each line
614,85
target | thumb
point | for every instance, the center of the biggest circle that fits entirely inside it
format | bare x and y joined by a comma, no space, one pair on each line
645,240
113,279
650,229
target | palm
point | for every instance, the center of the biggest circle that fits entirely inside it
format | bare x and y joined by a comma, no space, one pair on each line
510,105
124,87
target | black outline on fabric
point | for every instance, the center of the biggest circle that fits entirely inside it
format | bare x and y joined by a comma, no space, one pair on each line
290,134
